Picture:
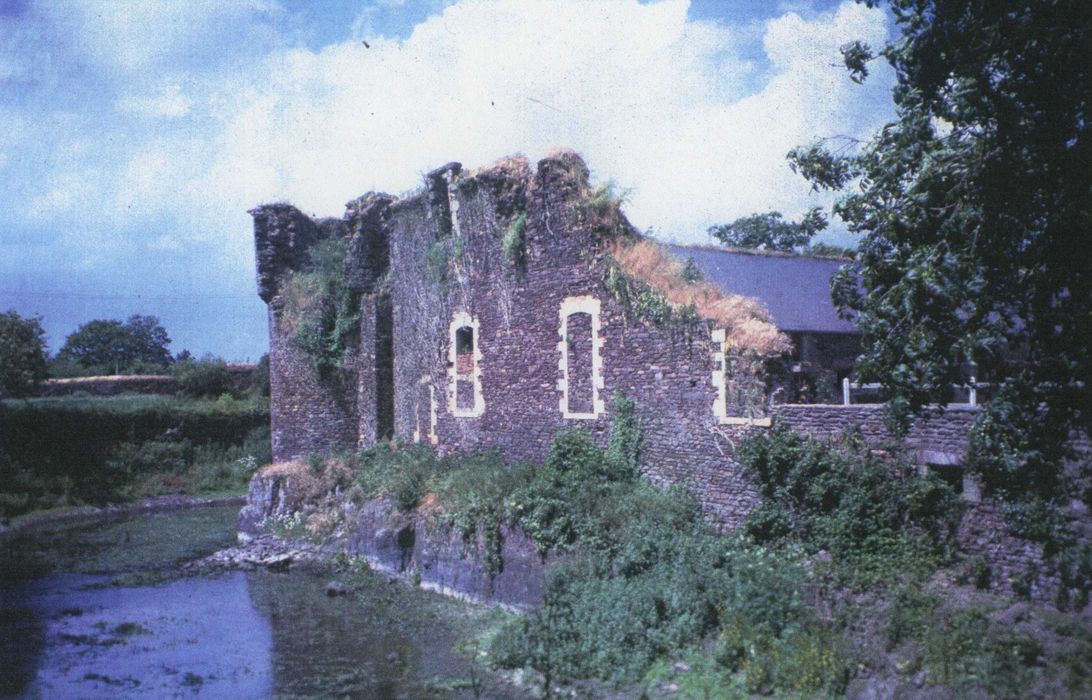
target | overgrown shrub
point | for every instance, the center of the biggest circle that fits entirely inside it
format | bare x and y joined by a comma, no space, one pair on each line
323,308
205,378
879,520
475,490
649,578
395,471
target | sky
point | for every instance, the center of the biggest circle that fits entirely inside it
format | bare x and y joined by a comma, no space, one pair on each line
136,134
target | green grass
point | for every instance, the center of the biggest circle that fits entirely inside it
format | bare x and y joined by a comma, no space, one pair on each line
65,451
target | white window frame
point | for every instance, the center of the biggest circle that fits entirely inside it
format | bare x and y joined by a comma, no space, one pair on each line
462,319
591,306
720,382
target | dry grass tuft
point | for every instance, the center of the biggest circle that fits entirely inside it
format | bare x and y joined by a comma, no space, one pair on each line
304,484
515,166
746,321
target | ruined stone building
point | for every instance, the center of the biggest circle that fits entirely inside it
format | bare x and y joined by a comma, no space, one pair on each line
496,307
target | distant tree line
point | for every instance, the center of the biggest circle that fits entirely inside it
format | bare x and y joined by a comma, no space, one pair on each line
139,345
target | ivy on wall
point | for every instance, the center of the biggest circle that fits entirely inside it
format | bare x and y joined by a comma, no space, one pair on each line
322,309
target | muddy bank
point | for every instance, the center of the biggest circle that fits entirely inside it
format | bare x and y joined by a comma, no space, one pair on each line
88,514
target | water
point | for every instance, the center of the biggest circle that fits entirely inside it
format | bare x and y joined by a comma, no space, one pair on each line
100,611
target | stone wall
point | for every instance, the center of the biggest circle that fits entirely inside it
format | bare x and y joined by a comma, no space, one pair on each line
438,254
939,437
516,309
310,413
433,262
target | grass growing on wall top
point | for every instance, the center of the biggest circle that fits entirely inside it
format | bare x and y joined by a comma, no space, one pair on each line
655,284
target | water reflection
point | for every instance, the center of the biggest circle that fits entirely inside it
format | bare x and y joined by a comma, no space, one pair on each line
68,632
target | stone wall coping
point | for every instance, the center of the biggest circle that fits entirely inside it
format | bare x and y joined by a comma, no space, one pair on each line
959,407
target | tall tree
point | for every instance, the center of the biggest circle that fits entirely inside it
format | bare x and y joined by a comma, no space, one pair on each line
22,353
976,207
770,231
139,343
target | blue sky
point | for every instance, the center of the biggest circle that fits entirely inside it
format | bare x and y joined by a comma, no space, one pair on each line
137,134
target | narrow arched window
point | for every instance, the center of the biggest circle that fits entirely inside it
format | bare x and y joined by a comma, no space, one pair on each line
738,379
581,363
464,367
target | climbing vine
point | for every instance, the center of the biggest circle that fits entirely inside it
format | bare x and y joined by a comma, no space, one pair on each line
513,242
323,308
643,301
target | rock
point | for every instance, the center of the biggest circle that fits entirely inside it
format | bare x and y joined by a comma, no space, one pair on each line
336,588
280,562
871,688
681,667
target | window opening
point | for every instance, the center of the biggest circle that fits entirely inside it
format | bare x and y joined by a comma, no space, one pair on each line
738,379
464,362
581,364
581,389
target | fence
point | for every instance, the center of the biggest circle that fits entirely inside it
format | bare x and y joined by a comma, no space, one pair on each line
971,388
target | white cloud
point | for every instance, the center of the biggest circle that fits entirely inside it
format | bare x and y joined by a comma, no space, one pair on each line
167,101
61,196
652,100
658,102
134,35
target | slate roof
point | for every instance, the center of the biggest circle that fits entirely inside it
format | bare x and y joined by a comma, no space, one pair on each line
795,288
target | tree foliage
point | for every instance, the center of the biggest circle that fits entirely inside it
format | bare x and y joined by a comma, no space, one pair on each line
22,353
137,345
975,204
770,231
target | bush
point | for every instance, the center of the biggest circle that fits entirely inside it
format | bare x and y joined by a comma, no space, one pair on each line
94,450
395,471
205,378
878,520
475,490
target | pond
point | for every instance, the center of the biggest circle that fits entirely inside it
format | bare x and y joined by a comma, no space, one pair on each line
103,610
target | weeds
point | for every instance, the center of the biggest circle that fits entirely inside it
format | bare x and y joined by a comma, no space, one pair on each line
513,242
322,309
655,285
879,521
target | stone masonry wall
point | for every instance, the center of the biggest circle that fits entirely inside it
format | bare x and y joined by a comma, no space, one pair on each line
938,437
309,413
666,369
435,261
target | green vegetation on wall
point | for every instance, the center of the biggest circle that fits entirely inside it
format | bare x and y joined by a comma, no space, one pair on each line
877,519
643,301
513,242
323,308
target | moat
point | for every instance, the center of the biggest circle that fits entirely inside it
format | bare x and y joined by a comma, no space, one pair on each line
106,609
